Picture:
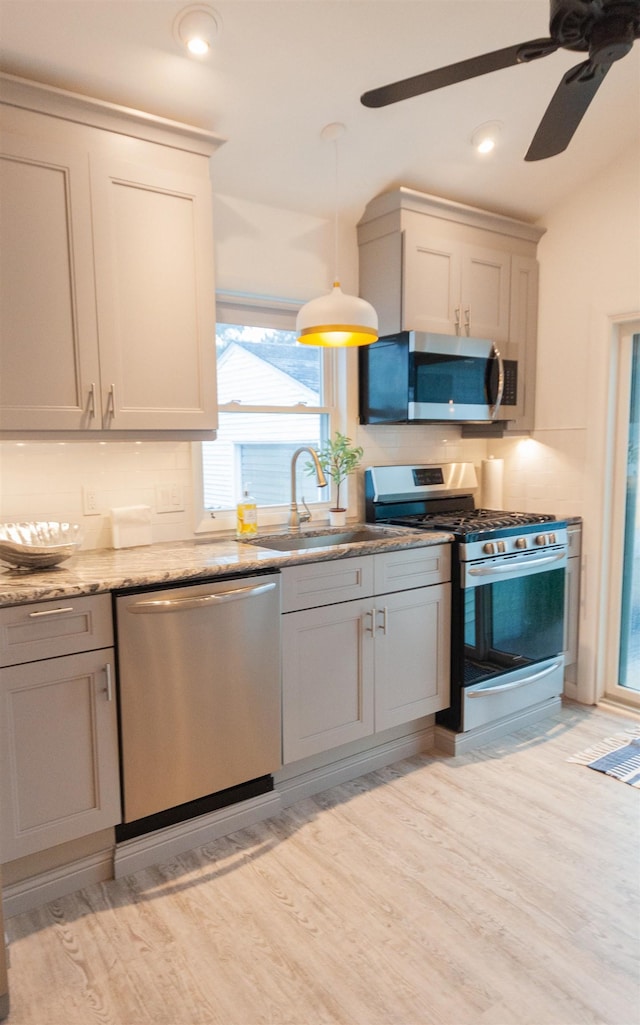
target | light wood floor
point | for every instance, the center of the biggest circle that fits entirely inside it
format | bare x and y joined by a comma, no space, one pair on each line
499,887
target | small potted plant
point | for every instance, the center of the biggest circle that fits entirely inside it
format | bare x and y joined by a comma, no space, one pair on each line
338,458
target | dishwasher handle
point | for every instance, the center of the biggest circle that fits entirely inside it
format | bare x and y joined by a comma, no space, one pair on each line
199,601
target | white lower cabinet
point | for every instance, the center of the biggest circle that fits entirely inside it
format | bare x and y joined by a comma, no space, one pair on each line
327,678
59,777
354,668
572,603
412,654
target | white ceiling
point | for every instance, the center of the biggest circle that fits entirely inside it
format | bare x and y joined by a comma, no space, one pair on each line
282,69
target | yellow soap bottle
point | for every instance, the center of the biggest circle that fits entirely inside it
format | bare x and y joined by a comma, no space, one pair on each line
246,516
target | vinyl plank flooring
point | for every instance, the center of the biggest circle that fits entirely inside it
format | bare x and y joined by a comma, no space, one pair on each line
499,887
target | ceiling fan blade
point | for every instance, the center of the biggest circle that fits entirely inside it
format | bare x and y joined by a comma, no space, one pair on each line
566,110
473,67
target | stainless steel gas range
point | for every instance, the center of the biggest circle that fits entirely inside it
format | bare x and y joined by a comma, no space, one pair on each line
508,582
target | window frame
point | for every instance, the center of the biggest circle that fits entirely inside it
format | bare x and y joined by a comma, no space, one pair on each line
280,314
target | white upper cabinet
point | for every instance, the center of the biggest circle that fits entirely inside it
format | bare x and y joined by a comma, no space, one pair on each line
455,288
107,286
429,264
49,338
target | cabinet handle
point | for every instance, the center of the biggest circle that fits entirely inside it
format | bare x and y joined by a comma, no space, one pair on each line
467,319
50,612
385,619
371,628
109,688
92,401
456,314
111,402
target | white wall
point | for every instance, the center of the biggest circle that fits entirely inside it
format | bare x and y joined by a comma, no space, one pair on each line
589,278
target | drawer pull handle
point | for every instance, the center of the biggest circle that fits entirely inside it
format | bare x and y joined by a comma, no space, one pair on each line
109,688
50,612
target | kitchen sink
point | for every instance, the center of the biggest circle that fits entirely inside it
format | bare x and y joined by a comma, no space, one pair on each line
329,539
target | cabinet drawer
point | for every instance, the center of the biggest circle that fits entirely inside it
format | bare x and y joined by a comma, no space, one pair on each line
50,628
325,583
412,567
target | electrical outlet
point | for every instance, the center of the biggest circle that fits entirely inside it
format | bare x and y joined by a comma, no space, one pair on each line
169,498
90,502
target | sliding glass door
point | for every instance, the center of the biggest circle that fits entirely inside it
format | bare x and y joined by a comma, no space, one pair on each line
623,674
629,661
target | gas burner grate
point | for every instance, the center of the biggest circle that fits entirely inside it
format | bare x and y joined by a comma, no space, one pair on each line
482,519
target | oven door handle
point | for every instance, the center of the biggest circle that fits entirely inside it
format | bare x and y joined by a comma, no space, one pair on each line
495,408
481,693
510,567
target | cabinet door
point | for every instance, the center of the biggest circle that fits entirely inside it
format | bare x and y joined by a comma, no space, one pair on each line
431,285
155,293
485,293
58,752
412,654
49,372
523,335
327,678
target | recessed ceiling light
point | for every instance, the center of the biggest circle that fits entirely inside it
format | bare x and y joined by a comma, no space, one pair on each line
485,137
196,27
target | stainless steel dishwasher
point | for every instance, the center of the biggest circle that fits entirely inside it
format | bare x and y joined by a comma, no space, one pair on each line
199,689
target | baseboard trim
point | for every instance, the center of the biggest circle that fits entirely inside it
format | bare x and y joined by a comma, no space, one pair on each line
451,743
315,780
35,891
164,844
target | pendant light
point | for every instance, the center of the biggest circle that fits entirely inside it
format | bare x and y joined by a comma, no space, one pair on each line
336,320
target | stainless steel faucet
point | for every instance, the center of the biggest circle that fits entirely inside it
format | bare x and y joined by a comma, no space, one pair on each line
296,518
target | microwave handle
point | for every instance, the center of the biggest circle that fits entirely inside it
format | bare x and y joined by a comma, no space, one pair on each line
495,407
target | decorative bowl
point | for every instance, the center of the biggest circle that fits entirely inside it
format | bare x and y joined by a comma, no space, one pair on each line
38,545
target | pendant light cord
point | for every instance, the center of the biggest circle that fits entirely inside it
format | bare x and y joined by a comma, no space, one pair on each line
335,215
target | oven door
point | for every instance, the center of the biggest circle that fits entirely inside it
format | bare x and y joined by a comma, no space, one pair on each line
513,633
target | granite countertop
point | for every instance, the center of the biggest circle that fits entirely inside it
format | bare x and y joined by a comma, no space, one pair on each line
91,572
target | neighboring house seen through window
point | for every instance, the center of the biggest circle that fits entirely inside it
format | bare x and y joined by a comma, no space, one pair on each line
273,397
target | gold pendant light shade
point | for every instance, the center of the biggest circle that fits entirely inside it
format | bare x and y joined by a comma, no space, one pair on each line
337,320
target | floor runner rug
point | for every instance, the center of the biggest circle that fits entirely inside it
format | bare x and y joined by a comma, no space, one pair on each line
617,756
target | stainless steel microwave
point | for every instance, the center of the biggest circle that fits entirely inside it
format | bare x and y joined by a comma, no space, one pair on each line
415,377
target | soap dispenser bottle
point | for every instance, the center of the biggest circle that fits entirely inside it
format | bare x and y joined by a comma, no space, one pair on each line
246,516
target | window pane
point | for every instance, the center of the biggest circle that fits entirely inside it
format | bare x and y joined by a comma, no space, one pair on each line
253,450
266,367
630,625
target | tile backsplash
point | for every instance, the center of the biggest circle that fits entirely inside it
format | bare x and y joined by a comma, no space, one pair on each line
54,481
63,480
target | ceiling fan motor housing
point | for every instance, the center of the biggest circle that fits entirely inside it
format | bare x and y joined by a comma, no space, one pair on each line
571,21
605,28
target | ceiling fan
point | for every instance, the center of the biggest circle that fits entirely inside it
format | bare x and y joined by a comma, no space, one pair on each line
606,29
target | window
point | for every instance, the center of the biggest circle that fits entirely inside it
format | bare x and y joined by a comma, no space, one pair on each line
273,396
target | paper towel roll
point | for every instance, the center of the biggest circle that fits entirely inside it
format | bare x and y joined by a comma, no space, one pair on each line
492,483
131,525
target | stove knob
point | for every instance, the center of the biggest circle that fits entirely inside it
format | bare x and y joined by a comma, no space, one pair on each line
541,539
552,539
521,542
502,546
489,548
